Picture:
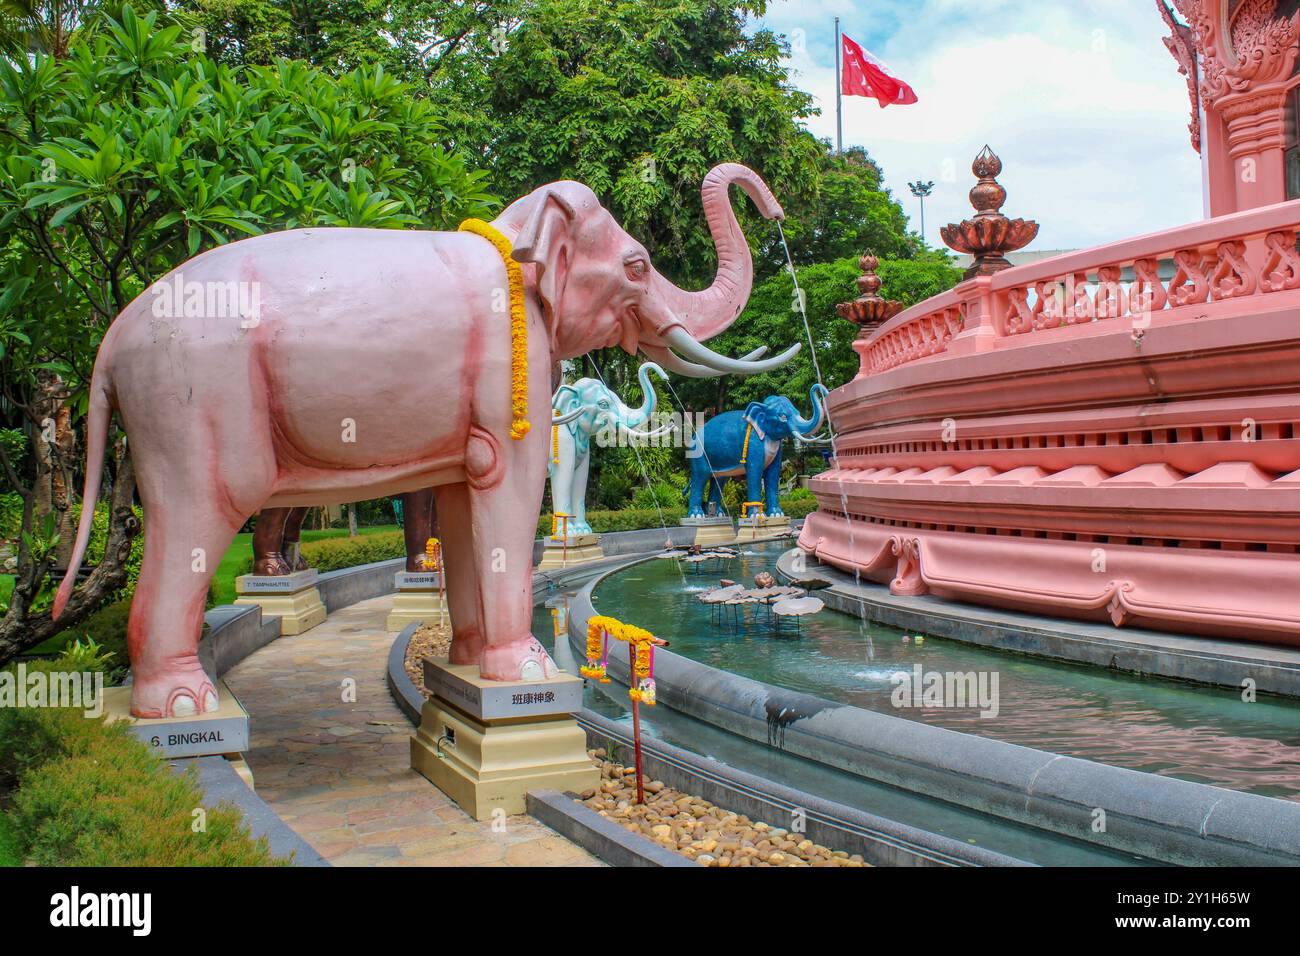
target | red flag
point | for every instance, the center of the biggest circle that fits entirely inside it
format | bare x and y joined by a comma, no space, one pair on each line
864,75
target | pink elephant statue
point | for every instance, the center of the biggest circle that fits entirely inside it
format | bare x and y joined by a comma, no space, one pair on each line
363,363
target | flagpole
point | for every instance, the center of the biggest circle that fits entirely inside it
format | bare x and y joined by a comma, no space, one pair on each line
839,126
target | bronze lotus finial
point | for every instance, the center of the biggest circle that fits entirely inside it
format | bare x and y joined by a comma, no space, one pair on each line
868,311
989,235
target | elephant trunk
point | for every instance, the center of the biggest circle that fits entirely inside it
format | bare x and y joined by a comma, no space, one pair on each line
806,426
705,313
639,416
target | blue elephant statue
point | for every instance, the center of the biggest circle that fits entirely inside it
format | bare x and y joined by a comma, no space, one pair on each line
588,408
748,444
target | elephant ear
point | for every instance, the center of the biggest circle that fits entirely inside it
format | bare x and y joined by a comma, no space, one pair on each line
546,240
760,415
566,399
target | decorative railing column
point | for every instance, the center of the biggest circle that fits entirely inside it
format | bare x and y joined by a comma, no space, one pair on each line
988,236
868,311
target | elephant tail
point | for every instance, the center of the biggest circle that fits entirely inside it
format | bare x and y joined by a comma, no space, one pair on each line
97,419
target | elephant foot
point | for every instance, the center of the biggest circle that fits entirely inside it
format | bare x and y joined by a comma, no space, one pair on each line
696,513
466,647
273,565
300,564
522,659
179,691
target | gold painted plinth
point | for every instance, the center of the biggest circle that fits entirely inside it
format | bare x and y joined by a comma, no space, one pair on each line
715,535
299,609
581,549
761,528
416,607
486,766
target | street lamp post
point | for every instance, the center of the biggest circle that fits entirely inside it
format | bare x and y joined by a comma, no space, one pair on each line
920,190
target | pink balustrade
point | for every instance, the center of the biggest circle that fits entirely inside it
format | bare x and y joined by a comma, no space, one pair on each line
1233,257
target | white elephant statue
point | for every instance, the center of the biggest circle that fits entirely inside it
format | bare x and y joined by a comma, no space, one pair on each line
584,409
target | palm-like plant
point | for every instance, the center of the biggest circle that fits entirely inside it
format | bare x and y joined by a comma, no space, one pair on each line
48,26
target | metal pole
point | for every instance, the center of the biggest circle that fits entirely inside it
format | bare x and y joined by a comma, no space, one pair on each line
636,723
922,218
839,126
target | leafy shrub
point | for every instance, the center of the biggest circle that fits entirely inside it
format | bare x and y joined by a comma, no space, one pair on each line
332,554
99,538
798,503
11,515
629,519
91,794
661,494
106,630
114,803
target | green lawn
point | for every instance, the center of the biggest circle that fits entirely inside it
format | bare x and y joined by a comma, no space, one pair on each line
8,843
242,549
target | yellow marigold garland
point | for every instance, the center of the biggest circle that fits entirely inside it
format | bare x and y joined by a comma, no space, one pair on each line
643,644
518,326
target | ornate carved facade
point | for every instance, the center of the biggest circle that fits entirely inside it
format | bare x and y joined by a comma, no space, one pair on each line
1239,59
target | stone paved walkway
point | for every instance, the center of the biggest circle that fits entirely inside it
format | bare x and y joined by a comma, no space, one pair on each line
339,773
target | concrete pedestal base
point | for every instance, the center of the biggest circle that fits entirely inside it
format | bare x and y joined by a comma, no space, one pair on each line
580,548
712,531
419,600
761,527
293,598
202,735
487,760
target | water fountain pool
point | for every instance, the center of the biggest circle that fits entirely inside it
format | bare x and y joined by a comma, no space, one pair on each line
1207,735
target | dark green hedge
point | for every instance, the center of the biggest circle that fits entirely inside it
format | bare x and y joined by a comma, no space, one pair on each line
91,794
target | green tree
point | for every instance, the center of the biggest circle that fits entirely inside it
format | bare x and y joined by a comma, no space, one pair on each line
125,159
850,211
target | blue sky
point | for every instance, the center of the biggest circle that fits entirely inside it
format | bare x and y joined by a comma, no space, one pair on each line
1081,100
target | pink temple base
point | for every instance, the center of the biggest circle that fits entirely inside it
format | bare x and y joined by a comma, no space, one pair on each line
1094,436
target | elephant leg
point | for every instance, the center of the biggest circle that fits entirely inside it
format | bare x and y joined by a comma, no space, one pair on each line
772,486
458,571
504,490
700,477
268,542
292,536
562,494
190,526
579,495
754,479
715,492
418,525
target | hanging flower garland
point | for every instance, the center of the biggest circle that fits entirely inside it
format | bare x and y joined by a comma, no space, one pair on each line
600,630
519,424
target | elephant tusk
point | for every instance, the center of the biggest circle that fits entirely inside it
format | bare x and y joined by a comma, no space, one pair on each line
681,342
675,363
654,434
565,419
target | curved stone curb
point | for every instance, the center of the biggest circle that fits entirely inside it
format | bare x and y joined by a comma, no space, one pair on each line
1204,660
221,784
406,695
1161,818
599,836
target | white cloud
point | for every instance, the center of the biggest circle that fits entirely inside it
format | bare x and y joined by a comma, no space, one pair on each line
1085,107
